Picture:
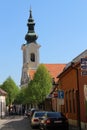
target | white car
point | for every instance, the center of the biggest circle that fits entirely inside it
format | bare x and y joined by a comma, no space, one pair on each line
35,118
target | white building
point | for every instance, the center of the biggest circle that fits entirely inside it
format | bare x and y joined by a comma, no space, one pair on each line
2,103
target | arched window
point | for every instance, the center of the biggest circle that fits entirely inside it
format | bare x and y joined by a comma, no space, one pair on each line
32,57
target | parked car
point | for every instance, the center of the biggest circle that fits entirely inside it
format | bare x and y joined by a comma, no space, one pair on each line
53,120
35,118
32,111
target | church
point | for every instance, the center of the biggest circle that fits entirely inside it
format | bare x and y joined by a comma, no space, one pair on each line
71,79
31,56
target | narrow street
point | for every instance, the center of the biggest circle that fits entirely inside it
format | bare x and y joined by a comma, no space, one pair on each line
18,123
15,123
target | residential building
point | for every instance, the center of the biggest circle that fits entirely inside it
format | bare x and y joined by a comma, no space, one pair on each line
2,103
73,81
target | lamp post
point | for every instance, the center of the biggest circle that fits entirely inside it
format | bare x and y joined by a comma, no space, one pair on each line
78,95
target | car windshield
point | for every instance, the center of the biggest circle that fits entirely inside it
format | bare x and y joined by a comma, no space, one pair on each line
39,114
54,114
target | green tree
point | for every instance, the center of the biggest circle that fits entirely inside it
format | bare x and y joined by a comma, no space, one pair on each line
30,96
12,90
40,86
20,97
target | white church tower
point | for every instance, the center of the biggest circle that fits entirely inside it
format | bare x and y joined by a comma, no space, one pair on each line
30,52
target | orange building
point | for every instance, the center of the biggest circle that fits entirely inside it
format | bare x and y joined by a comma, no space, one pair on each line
73,81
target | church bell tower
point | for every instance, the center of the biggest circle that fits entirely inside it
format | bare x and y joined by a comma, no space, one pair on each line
30,52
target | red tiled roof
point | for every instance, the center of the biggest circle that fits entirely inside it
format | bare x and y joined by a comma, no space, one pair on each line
54,69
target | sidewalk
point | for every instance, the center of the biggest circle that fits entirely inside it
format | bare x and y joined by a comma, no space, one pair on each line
74,128
3,121
15,123
7,119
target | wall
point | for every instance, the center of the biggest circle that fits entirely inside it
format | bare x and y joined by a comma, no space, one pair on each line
2,106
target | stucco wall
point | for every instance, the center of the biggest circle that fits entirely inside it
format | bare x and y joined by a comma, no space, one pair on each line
2,106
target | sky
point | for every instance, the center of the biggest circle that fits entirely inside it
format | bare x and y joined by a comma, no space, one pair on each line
61,26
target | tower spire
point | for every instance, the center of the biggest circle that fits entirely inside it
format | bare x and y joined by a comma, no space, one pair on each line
31,35
30,12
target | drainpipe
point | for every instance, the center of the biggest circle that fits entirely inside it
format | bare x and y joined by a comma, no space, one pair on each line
78,97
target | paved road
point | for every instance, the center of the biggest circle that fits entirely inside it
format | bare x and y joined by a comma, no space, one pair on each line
15,123
18,123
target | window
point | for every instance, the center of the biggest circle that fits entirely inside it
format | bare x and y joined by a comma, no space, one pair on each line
32,57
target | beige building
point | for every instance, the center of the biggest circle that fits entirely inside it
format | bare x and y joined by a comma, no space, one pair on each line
2,103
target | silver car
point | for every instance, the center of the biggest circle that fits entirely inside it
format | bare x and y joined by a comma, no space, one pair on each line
35,118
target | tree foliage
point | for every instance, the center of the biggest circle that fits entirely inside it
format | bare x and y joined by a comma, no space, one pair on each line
31,93
37,89
20,97
40,86
12,90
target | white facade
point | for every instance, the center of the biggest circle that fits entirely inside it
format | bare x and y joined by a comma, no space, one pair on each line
2,106
30,60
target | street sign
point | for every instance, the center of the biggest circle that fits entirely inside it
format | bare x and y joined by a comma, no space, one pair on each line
61,94
83,73
83,63
83,60
84,66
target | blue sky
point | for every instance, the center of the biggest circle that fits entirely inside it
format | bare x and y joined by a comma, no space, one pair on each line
61,26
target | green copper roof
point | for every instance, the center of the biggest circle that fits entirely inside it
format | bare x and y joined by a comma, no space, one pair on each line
31,35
